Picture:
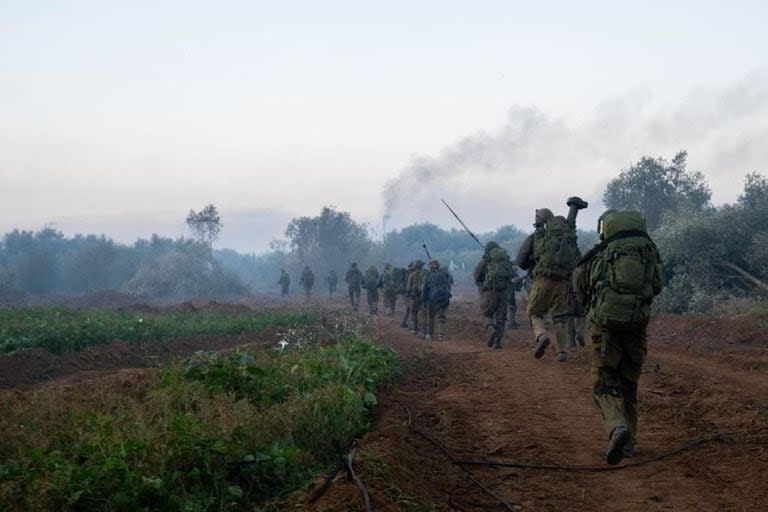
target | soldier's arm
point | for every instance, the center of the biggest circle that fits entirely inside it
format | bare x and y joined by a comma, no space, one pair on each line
525,254
479,273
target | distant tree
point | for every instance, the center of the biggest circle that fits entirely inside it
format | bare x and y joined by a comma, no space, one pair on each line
755,193
654,187
35,258
328,240
205,225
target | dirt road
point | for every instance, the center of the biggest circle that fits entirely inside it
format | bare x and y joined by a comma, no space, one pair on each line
504,405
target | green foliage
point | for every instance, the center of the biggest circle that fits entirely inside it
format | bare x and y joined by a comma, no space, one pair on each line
62,330
655,187
191,438
205,225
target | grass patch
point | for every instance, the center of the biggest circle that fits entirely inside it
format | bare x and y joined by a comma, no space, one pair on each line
216,433
66,330
758,309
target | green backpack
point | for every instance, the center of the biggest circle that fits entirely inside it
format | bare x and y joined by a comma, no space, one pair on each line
499,273
626,274
556,251
371,279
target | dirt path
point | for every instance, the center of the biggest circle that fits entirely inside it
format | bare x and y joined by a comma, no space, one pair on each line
504,405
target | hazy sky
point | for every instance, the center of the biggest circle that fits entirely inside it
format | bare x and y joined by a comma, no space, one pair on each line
121,116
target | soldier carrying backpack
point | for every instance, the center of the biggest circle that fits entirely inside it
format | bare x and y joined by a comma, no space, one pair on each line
555,252
436,296
493,277
371,283
616,282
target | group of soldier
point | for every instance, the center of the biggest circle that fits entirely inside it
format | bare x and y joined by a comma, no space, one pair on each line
611,286
426,292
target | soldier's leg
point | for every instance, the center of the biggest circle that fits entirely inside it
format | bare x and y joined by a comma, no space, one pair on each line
561,309
511,322
538,308
415,311
561,336
501,317
375,302
424,318
407,314
607,390
351,294
441,322
630,368
431,315
488,305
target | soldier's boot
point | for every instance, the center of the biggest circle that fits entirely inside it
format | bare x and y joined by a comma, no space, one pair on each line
499,342
629,392
561,333
490,334
542,342
561,357
615,451
571,332
428,337
611,405
441,331
512,324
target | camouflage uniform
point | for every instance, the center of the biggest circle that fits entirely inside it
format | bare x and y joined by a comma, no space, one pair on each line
549,302
436,295
389,289
493,300
284,282
332,280
372,283
415,290
517,283
307,281
618,354
354,280
406,298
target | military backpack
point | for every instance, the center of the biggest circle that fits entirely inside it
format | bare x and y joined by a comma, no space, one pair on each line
401,280
439,282
626,274
556,251
371,279
499,272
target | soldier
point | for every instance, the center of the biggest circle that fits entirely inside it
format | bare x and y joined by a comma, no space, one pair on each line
403,290
493,277
372,283
307,281
552,254
354,280
284,282
517,285
423,310
617,280
332,280
436,296
415,290
388,285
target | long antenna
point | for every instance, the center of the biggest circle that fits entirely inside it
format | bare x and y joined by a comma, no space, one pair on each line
463,225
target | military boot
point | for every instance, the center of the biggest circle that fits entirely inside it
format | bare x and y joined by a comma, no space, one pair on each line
561,357
615,451
490,334
428,337
542,342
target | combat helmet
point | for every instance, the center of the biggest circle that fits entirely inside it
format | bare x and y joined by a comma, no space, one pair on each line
542,216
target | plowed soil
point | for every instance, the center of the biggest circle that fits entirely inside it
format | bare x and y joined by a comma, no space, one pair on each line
459,400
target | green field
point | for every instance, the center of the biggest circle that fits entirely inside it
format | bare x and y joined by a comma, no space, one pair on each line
66,330
212,433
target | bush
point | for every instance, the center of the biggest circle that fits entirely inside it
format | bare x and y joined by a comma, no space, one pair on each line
191,437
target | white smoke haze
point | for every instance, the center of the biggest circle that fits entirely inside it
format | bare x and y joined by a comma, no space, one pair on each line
537,160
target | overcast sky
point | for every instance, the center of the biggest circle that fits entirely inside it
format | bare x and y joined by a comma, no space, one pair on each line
119,117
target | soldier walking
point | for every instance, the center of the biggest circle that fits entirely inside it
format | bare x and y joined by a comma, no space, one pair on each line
415,292
284,282
388,285
372,283
403,290
617,281
552,254
354,280
332,280
517,284
436,296
307,281
493,277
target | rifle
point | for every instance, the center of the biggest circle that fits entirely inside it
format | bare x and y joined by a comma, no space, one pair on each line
429,257
463,225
